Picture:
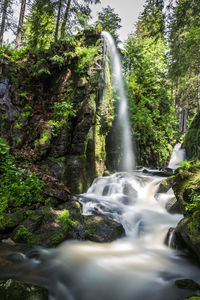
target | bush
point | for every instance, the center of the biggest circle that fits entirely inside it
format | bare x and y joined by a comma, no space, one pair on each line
18,187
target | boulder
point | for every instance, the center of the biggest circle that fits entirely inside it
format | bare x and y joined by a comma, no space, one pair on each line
15,290
188,284
172,206
102,229
189,236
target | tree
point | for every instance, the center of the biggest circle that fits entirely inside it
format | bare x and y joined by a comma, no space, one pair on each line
3,20
76,8
20,24
40,24
60,2
151,108
65,18
110,21
184,41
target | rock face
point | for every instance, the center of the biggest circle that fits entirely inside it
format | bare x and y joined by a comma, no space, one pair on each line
58,119
55,118
186,189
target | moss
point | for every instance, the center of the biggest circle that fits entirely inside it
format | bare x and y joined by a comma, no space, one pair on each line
66,220
23,235
57,159
192,139
57,238
15,290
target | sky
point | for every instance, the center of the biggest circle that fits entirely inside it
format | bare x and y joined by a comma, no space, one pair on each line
128,11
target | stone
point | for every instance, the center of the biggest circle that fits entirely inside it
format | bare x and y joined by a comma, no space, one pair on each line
102,229
16,290
172,206
188,284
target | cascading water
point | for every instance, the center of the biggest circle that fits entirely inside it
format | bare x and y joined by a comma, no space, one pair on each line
178,155
139,266
128,160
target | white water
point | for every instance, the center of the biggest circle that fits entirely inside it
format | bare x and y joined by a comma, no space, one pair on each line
178,155
139,266
128,160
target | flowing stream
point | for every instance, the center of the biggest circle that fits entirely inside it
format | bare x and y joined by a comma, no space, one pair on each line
137,266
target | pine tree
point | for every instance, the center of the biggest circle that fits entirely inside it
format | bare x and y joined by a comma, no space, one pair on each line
110,21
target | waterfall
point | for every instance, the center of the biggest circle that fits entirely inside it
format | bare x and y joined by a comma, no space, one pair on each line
138,266
128,160
178,155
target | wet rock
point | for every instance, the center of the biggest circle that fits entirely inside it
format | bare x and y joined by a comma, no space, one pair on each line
11,220
172,206
165,185
102,229
15,290
188,284
49,227
130,191
189,237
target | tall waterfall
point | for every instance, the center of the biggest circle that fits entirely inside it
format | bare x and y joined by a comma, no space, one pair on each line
128,160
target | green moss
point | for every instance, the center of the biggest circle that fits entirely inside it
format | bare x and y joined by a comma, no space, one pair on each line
14,290
192,138
57,238
23,235
57,159
66,220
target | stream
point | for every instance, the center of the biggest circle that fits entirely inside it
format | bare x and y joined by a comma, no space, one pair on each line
137,266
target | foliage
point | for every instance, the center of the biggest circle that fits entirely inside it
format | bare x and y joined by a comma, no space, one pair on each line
109,21
151,109
188,165
39,25
62,111
22,234
184,54
18,187
66,220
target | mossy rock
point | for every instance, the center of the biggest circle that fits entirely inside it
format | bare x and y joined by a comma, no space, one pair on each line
102,229
189,236
188,284
11,220
47,227
166,185
15,290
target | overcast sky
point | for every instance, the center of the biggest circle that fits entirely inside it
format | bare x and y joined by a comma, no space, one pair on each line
128,11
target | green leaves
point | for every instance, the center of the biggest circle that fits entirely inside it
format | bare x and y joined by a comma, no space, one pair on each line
109,21
18,187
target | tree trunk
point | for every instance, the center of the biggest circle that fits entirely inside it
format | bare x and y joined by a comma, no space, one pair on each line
58,20
198,88
65,19
20,25
3,20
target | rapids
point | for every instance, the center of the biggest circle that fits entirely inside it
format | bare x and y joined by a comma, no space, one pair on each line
138,266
